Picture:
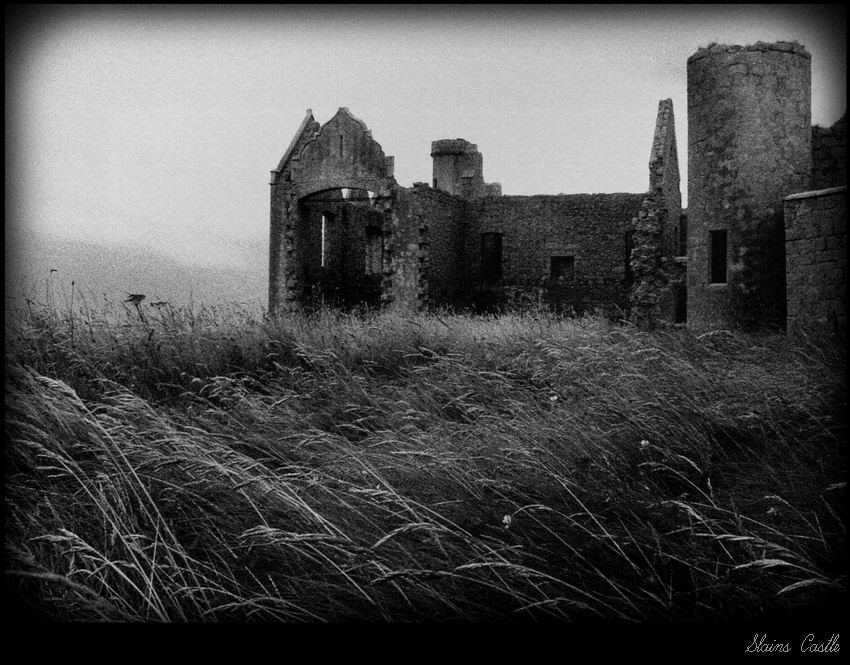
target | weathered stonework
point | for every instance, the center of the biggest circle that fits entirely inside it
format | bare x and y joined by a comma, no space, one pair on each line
816,260
658,283
590,228
829,155
322,165
459,169
442,221
333,194
762,250
749,145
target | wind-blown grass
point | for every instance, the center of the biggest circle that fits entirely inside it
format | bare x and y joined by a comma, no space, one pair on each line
212,464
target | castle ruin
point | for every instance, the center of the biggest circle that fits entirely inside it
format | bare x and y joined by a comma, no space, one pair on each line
762,243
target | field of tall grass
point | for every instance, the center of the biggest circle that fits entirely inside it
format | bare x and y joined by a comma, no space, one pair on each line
192,464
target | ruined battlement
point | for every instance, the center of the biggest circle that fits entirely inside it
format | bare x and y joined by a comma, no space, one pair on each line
732,49
452,147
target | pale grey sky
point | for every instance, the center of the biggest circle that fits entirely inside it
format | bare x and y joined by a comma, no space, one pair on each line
158,126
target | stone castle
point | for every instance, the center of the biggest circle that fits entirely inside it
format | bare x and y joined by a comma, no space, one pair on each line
761,244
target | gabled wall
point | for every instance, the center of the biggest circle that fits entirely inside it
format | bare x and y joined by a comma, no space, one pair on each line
321,162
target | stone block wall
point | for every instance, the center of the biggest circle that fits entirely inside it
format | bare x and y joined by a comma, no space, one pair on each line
829,155
816,259
442,221
402,286
591,228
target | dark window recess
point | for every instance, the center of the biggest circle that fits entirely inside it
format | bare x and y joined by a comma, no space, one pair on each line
491,257
374,250
435,183
561,268
680,293
683,236
718,256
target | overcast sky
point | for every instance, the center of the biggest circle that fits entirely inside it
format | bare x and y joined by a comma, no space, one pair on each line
159,126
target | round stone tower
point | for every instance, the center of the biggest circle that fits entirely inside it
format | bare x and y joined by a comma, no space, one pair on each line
749,146
458,167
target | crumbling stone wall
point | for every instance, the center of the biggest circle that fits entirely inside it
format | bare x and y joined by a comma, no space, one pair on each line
591,228
650,293
749,146
816,259
829,155
658,281
402,285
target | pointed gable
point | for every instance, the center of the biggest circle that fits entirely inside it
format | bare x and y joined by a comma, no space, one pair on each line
341,154
664,160
306,131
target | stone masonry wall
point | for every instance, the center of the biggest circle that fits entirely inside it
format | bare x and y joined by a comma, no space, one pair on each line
664,175
658,279
829,155
589,227
441,219
749,146
816,258
402,286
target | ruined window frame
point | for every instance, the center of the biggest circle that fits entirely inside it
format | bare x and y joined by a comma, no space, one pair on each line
718,256
563,276
492,257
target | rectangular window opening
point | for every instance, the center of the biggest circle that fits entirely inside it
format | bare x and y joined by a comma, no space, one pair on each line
718,256
491,257
561,268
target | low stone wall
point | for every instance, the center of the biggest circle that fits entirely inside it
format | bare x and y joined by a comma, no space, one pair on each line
816,260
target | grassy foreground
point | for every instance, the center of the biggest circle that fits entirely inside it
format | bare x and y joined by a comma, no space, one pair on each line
177,465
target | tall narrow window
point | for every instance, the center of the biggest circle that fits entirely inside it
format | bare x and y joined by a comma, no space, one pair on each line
718,256
491,257
561,269
374,250
327,222
340,145
630,243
